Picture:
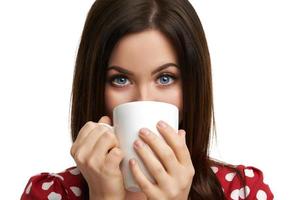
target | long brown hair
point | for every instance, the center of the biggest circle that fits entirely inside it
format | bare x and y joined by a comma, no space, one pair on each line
110,20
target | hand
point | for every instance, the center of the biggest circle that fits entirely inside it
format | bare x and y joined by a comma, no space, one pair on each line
98,156
172,169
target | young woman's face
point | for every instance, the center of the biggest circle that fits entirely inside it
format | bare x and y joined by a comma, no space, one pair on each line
143,67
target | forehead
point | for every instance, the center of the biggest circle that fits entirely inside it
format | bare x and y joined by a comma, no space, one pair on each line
148,48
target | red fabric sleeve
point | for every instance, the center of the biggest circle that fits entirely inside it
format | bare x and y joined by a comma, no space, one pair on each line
233,187
63,186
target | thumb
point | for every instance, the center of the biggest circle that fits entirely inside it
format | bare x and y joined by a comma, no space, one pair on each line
105,120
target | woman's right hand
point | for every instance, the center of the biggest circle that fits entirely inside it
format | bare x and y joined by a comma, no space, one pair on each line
98,156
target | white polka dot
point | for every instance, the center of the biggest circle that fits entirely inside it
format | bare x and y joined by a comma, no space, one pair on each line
230,176
243,191
239,193
249,173
76,191
261,195
214,169
54,196
47,185
235,194
74,171
58,176
28,188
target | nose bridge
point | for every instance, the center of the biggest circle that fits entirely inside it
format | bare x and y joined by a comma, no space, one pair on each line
144,92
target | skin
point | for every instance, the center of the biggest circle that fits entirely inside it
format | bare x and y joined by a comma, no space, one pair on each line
141,54
96,149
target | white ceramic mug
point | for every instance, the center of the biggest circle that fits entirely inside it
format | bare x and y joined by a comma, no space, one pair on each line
128,119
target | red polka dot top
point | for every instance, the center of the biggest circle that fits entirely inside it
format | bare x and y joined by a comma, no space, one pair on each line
70,185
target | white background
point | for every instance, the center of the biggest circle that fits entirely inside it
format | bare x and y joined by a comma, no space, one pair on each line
254,46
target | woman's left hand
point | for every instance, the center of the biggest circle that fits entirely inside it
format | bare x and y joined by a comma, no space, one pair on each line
174,170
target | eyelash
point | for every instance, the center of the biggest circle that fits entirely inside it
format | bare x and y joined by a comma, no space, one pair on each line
112,78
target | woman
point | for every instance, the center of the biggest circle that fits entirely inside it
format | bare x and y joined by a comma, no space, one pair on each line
134,51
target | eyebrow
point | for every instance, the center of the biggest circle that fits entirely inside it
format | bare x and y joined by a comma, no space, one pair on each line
125,71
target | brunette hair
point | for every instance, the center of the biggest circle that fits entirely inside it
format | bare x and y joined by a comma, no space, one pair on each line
110,20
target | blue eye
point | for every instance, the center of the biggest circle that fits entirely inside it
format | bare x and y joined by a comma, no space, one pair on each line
119,80
166,79
122,81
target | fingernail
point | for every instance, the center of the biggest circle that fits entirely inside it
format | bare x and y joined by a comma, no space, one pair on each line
138,143
144,132
162,124
132,161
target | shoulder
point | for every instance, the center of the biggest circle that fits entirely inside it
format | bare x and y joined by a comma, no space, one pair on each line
242,181
68,184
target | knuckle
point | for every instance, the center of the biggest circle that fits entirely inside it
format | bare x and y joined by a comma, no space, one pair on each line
90,164
190,172
108,135
93,164
169,155
180,146
73,150
117,152
79,158
159,170
87,127
90,124
172,193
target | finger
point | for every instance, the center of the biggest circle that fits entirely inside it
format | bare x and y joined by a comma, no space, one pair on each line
82,149
92,134
114,158
161,149
103,145
87,128
146,186
176,141
105,120
182,134
83,133
151,162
